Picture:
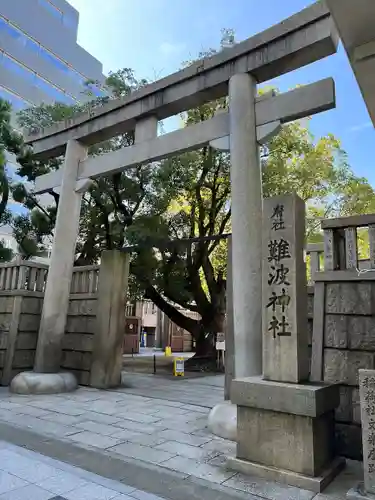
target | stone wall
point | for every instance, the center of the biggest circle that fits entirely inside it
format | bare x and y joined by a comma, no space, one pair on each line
78,342
348,344
19,323
21,300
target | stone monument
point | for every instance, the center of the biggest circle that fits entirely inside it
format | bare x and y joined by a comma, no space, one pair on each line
285,428
366,490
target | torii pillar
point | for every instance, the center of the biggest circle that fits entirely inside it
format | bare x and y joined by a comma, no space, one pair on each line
246,245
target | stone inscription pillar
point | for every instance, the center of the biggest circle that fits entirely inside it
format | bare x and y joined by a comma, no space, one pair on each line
56,296
285,342
246,185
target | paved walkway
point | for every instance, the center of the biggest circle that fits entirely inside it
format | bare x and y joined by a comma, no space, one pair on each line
26,475
154,423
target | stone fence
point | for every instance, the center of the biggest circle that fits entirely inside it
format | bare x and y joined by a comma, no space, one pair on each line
21,298
22,285
342,319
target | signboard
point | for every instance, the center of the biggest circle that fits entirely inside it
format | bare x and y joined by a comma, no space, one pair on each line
220,341
179,367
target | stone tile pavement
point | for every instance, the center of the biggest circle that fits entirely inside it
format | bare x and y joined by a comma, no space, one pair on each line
25,475
153,422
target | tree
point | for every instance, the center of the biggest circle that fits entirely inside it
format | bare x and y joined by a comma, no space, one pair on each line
189,196
10,142
106,212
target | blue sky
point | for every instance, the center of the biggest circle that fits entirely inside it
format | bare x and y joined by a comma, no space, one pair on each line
153,37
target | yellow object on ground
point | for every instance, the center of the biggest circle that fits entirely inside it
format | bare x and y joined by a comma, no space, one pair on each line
179,367
168,351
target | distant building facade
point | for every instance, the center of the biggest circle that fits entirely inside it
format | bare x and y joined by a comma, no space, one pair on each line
40,59
41,62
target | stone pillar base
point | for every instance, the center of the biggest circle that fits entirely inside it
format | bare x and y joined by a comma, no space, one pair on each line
43,383
285,432
359,493
315,484
222,420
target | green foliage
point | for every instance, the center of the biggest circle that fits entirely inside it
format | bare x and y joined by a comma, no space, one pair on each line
319,172
10,142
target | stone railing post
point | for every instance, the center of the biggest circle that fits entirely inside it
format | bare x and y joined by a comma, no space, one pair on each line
110,320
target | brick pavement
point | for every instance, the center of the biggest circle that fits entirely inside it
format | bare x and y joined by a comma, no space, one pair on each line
26,475
155,421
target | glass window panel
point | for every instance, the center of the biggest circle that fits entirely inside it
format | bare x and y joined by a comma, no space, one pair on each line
10,30
56,94
96,90
52,9
33,46
77,77
49,57
17,68
69,22
52,59
16,102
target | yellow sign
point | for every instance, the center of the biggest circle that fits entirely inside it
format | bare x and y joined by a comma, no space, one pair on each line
168,351
178,367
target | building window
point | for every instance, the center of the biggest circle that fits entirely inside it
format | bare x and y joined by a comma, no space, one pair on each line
51,59
69,22
33,46
98,92
74,75
56,94
52,9
16,101
9,30
18,68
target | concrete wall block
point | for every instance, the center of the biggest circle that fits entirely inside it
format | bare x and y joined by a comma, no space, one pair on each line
32,305
361,332
3,340
29,323
356,406
83,377
82,307
309,331
6,304
78,342
349,298
310,305
342,366
344,412
27,340
2,358
5,321
77,360
24,359
336,331
349,441
81,324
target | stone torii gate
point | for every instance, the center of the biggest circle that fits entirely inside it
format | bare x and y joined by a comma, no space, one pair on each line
299,40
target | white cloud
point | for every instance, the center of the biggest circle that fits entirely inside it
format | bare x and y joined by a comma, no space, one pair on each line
168,49
360,127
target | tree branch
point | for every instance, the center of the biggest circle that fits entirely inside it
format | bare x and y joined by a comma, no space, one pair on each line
191,325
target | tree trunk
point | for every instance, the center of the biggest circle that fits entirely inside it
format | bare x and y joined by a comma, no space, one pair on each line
212,323
203,331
